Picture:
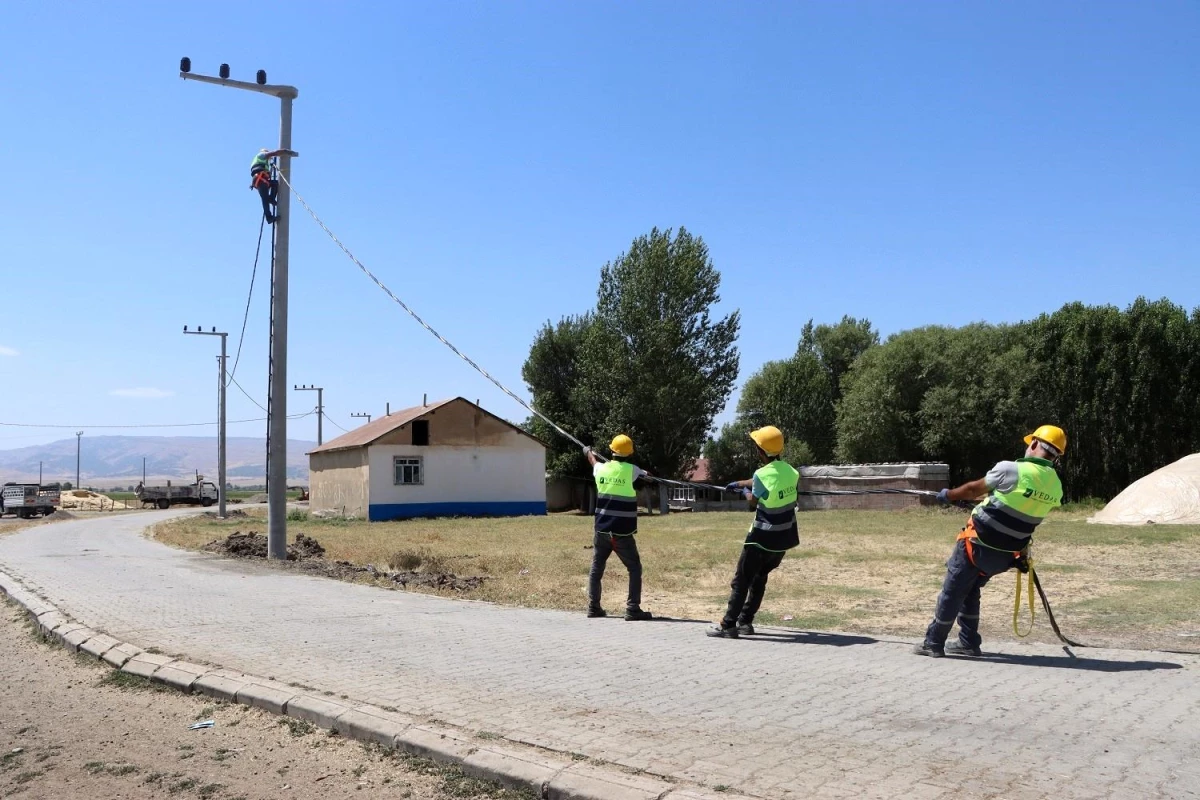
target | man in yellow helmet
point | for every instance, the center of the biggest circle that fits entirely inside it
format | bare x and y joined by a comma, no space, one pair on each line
616,525
772,495
1020,495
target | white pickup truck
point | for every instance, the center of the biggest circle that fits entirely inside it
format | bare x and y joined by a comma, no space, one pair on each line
28,500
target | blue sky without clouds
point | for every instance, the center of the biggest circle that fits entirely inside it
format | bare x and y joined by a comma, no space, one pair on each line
913,163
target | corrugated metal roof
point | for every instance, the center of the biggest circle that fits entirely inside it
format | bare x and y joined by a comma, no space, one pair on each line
377,428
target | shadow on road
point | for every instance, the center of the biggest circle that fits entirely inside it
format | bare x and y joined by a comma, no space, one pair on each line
811,637
1090,664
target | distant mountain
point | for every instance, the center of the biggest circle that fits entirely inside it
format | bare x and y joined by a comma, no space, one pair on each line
117,460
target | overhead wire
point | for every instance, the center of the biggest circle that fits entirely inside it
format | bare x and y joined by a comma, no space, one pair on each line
146,425
246,315
510,393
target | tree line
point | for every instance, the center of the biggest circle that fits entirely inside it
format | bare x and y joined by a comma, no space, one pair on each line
650,360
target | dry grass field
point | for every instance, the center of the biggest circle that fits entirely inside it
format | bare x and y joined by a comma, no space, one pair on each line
855,571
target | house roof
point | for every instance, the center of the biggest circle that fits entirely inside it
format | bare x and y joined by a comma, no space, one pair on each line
378,428
699,472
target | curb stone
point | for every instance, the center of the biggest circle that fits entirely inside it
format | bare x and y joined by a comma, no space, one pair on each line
550,778
441,745
179,674
586,782
98,645
321,713
219,686
268,695
371,724
144,664
117,656
513,769
77,637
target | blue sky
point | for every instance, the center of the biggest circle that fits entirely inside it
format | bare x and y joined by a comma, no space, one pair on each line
912,163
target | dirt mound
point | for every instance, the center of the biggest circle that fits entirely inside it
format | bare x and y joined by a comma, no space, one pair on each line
307,554
256,498
306,547
254,545
60,514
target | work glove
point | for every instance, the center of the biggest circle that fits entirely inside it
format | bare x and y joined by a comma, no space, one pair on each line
1022,564
735,487
944,497
586,449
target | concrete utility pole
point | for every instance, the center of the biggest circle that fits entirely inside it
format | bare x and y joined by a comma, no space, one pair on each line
78,439
220,418
357,414
277,401
320,407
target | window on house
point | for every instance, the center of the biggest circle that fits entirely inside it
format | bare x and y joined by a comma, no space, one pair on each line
409,471
420,433
682,494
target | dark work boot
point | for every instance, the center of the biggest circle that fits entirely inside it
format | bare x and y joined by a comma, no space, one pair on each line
924,649
745,629
595,612
722,632
957,648
637,614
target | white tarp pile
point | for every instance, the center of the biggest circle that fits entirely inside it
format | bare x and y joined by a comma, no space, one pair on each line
1169,496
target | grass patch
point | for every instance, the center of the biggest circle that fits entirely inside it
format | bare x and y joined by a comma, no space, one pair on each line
209,789
121,769
117,679
874,572
27,776
183,785
454,783
297,727
155,778
1156,603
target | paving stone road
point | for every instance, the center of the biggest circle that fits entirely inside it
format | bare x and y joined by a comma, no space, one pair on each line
788,714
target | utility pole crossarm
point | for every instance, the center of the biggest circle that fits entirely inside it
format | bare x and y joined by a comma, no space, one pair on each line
272,89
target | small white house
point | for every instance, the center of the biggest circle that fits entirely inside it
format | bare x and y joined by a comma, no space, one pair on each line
446,458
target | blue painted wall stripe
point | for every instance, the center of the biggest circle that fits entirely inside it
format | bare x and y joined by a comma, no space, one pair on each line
378,512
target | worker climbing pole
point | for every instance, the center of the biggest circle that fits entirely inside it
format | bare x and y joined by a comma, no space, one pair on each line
263,177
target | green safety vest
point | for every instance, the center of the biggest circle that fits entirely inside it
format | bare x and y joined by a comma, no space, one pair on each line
616,499
260,162
774,527
1006,520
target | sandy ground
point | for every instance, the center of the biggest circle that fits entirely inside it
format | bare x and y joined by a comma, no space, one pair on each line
67,729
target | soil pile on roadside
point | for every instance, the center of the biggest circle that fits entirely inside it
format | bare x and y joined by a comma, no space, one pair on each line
60,514
237,512
307,554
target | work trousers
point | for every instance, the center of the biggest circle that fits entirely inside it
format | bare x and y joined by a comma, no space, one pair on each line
268,191
749,584
959,598
625,547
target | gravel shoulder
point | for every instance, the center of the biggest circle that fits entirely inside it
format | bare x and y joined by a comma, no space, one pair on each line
70,726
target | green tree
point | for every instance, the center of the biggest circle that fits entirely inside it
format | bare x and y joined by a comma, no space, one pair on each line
552,373
838,346
796,396
655,364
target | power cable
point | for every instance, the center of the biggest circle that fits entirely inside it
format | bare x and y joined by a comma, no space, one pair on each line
246,315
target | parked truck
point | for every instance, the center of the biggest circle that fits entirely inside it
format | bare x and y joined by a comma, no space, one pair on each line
202,493
27,500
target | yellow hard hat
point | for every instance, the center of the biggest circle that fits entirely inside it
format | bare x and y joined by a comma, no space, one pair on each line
1052,435
770,439
621,445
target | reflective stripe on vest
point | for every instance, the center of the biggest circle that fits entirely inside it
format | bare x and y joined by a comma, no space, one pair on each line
616,499
774,526
1015,514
